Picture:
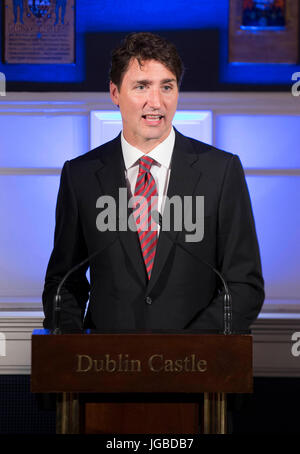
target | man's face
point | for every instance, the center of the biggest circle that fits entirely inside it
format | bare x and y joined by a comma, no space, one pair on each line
148,100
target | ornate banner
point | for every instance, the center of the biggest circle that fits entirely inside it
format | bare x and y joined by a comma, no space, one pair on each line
39,31
263,31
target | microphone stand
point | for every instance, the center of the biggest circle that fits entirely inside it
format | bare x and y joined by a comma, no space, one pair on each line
227,301
57,297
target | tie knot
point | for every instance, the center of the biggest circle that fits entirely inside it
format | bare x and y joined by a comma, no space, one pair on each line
145,164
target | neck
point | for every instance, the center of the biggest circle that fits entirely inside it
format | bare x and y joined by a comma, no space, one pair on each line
145,145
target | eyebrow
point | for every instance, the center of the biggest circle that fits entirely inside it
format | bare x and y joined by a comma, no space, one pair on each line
149,82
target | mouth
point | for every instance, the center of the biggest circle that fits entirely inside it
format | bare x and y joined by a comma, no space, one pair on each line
152,118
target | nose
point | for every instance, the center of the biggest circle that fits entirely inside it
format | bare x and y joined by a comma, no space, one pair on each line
154,98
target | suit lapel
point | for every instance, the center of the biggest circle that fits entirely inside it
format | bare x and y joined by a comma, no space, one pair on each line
111,176
185,173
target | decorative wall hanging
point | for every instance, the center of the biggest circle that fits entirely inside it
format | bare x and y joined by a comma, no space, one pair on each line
39,31
263,31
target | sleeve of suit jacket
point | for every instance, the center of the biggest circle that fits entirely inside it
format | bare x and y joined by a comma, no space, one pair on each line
69,249
238,257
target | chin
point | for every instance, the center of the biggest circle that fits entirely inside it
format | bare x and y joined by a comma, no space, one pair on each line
158,138
156,135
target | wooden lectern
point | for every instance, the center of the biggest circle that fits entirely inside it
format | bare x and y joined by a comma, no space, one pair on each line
141,382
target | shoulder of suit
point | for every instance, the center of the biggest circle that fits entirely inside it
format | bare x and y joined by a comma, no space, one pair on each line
96,153
201,148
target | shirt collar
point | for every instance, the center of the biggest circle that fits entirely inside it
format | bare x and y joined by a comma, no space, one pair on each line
161,154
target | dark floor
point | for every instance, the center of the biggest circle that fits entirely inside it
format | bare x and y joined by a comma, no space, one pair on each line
21,411
273,407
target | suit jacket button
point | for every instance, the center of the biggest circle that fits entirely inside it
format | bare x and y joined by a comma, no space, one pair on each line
148,300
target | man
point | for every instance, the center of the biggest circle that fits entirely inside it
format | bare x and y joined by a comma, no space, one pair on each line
18,4
151,278
60,4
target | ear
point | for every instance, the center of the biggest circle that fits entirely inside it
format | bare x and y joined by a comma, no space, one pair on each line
114,93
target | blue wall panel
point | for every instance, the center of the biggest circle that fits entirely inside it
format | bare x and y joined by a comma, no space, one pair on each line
261,141
134,15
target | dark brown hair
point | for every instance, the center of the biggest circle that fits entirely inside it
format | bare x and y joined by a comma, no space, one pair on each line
144,46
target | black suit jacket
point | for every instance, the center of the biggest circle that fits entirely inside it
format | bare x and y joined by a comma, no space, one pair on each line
182,292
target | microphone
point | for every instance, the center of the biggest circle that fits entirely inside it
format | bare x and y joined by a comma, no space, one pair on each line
227,303
57,297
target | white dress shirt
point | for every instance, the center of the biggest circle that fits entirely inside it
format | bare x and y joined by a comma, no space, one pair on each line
160,169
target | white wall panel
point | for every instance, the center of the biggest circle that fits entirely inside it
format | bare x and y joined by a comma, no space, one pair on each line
261,141
106,125
26,232
275,201
42,140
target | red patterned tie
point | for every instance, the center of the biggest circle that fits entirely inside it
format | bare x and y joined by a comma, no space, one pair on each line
146,202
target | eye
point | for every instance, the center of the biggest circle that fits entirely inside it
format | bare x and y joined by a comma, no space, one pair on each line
140,87
167,87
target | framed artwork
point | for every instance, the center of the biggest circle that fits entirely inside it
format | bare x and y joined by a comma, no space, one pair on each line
39,31
263,31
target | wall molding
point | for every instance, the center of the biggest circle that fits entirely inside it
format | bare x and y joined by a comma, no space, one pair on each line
30,171
272,308
219,102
